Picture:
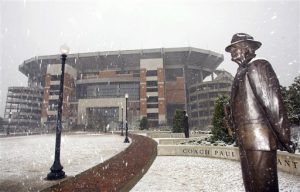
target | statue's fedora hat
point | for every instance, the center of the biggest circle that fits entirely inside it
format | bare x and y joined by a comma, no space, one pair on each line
243,37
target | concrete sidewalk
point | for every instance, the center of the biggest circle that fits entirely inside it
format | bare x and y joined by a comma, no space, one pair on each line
179,173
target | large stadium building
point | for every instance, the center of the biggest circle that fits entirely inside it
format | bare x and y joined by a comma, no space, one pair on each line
23,109
157,81
203,96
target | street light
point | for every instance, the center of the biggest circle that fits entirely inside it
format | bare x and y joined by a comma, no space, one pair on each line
8,126
126,119
56,169
122,124
105,122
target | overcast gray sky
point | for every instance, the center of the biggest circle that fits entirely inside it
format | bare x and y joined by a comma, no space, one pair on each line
31,28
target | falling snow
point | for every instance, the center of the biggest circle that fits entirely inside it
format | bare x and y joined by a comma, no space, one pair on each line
274,17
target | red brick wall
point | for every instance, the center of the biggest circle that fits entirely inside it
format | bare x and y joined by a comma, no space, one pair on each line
68,82
143,93
161,91
175,91
143,75
162,107
160,75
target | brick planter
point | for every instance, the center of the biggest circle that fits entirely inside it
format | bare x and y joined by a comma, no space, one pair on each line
119,173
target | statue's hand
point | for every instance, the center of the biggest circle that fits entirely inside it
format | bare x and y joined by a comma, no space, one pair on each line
292,147
289,147
227,121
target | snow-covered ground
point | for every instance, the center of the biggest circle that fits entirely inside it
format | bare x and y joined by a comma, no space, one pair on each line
173,173
25,161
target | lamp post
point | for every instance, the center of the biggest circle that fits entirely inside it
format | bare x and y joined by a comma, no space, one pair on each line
126,120
122,124
56,171
105,122
8,126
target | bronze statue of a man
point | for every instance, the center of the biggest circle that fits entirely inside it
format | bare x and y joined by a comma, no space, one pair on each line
258,116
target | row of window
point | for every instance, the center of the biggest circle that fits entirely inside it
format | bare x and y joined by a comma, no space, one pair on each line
55,77
31,117
152,89
152,115
206,95
52,105
151,83
24,105
24,96
152,105
151,73
55,87
152,102
29,110
23,100
105,113
202,105
104,93
202,114
54,92
210,87
152,99
115,85
109,90
51,118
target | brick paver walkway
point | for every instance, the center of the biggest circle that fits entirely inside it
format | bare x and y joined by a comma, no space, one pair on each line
119,173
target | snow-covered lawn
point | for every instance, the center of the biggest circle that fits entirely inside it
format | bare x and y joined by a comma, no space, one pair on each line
173,173
25,161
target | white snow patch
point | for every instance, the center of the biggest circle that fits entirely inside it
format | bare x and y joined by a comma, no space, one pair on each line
25,160
201,174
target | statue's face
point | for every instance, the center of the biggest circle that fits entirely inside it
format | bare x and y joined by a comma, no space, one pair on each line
240,53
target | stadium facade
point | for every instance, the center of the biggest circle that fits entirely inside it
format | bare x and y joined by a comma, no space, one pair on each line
203,96
157,81
23,109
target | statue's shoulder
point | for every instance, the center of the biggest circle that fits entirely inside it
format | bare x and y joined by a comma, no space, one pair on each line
258,63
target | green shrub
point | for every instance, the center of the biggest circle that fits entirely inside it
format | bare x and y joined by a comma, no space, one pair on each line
219,131
144,123
178,122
